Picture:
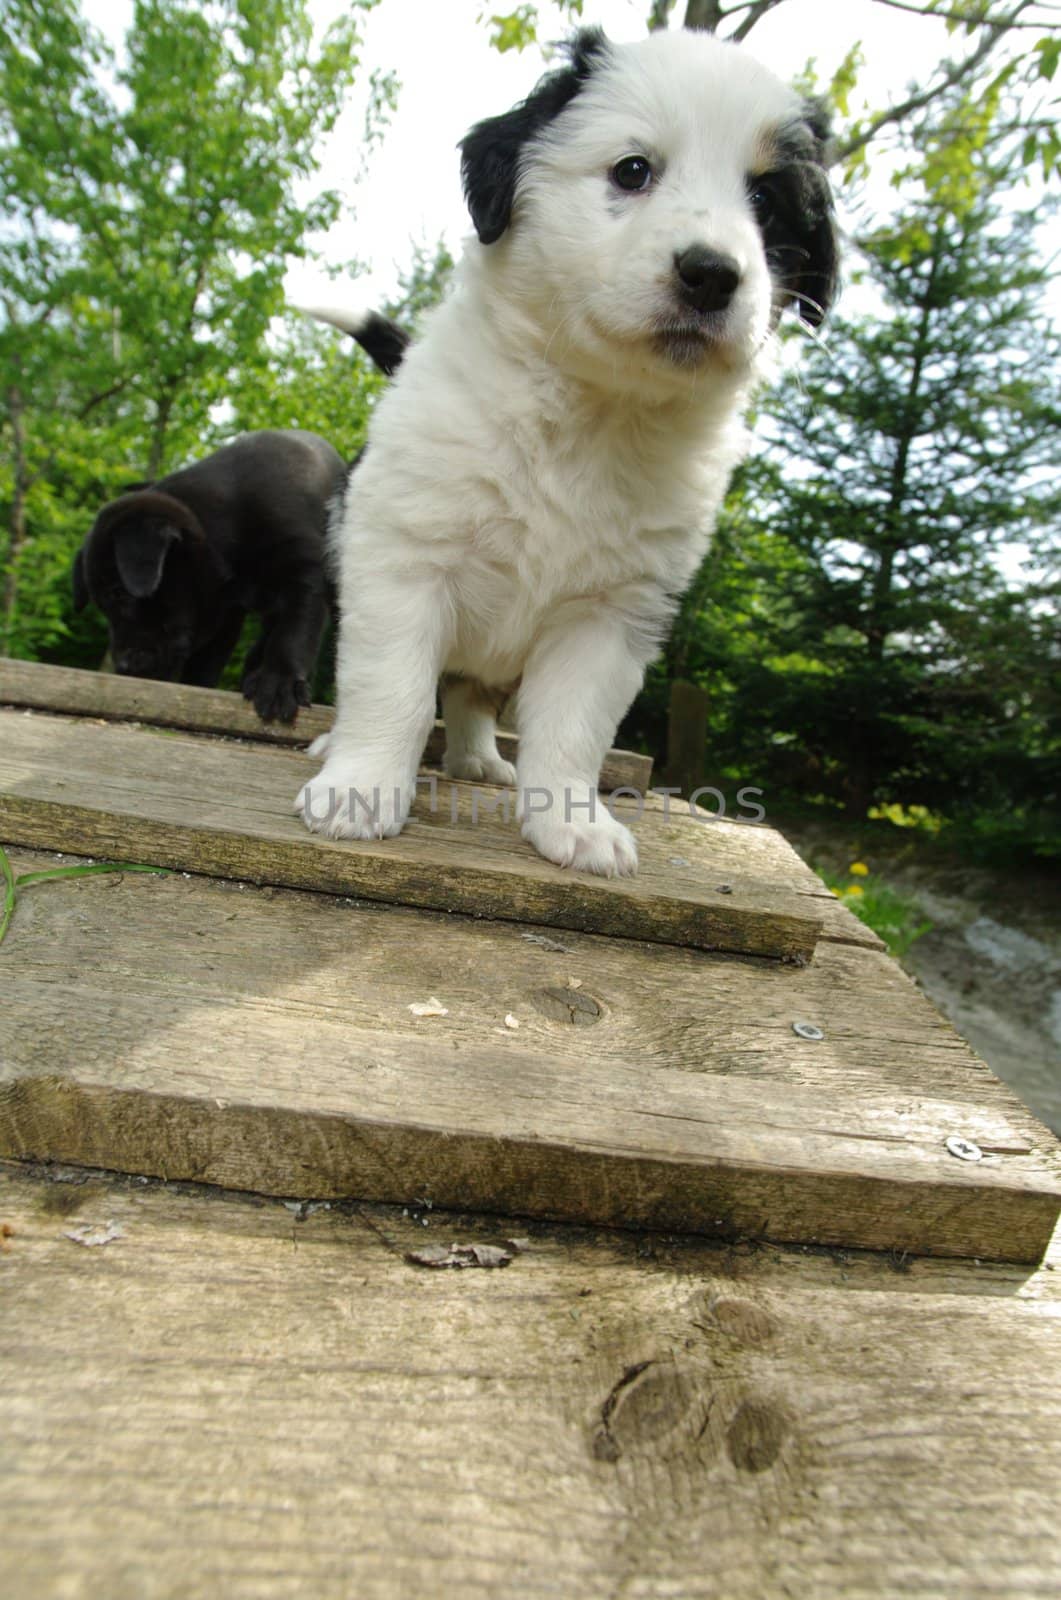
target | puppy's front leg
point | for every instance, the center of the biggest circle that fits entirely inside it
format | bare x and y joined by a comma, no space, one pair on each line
578,681
390,652
276,677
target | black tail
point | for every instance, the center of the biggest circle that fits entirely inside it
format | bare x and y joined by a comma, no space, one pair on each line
382,340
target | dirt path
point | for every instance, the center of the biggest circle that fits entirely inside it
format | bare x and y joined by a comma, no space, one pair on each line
992,959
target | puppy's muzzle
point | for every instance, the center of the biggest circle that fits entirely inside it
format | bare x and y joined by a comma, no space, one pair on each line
139,664
707,280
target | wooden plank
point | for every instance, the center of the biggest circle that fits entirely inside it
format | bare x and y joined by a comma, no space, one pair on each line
228,1400
116,791
219,711
110,698
263,1040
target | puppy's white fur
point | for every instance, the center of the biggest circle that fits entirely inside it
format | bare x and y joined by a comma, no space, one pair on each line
542,478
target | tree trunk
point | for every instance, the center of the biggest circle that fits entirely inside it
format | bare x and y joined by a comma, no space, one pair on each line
703,14
17,526
158,434
864,762
686,735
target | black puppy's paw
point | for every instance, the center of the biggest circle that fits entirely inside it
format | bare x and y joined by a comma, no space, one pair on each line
276,695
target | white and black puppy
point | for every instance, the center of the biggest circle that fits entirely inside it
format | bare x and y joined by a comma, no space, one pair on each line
541,480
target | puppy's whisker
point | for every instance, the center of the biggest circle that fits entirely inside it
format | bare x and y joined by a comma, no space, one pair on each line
786,249
792,318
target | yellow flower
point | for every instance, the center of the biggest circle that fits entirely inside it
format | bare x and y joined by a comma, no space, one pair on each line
853,889
858,869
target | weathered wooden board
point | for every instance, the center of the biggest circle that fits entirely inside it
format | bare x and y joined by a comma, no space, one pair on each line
230,1400
225,809
263,1040
180,705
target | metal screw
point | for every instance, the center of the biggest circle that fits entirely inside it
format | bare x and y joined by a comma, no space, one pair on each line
807,1030
964,1149
725,888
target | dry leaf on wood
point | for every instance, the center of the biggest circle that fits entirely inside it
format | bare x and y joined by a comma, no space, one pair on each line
94,1233
429,1008
460,1255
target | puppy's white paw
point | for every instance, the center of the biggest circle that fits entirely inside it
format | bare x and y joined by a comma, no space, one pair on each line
480,769
320,746
341,802
599,845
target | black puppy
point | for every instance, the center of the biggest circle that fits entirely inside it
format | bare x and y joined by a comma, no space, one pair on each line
176,567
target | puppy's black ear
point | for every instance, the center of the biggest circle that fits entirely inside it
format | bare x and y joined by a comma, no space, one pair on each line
140,550
818,118
81,594
819,274
490,153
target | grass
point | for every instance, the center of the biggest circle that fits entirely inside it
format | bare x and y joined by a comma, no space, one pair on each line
891,915
12,885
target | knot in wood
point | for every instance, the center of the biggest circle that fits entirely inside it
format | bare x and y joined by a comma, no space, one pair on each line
568,1005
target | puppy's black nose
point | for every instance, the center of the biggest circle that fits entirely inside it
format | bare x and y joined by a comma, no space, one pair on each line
708,280
136,664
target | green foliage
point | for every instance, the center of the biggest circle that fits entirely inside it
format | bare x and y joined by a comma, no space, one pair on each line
152,211
921,442
851,625
308,377
423,284
515,31
892,916
518,29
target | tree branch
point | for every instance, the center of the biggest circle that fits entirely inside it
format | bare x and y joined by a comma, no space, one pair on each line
983,20
956,72
104,394
755,12
704,15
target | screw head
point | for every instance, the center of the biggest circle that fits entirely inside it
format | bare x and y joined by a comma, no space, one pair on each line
964,1149
807,1030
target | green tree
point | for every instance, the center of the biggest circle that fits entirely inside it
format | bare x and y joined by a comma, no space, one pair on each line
151,212
996,44
885,657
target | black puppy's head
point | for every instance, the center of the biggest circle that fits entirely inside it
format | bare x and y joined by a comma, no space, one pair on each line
148,567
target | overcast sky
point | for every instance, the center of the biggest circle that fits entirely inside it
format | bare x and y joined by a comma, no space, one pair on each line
451,77
408,190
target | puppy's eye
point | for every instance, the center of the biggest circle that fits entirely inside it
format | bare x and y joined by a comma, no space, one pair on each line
762,199
632,173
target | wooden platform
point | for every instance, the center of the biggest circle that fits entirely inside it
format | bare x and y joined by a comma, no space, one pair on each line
226,809
229,1399
596,1057
105,696
276,1395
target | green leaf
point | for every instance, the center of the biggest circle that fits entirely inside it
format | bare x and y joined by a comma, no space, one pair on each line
12,884
1048,51
516,30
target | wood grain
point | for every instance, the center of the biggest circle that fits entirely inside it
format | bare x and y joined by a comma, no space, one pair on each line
179,705
230,1400
226,810
263,1040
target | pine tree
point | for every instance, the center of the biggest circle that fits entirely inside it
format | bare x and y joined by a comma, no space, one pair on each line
912,449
